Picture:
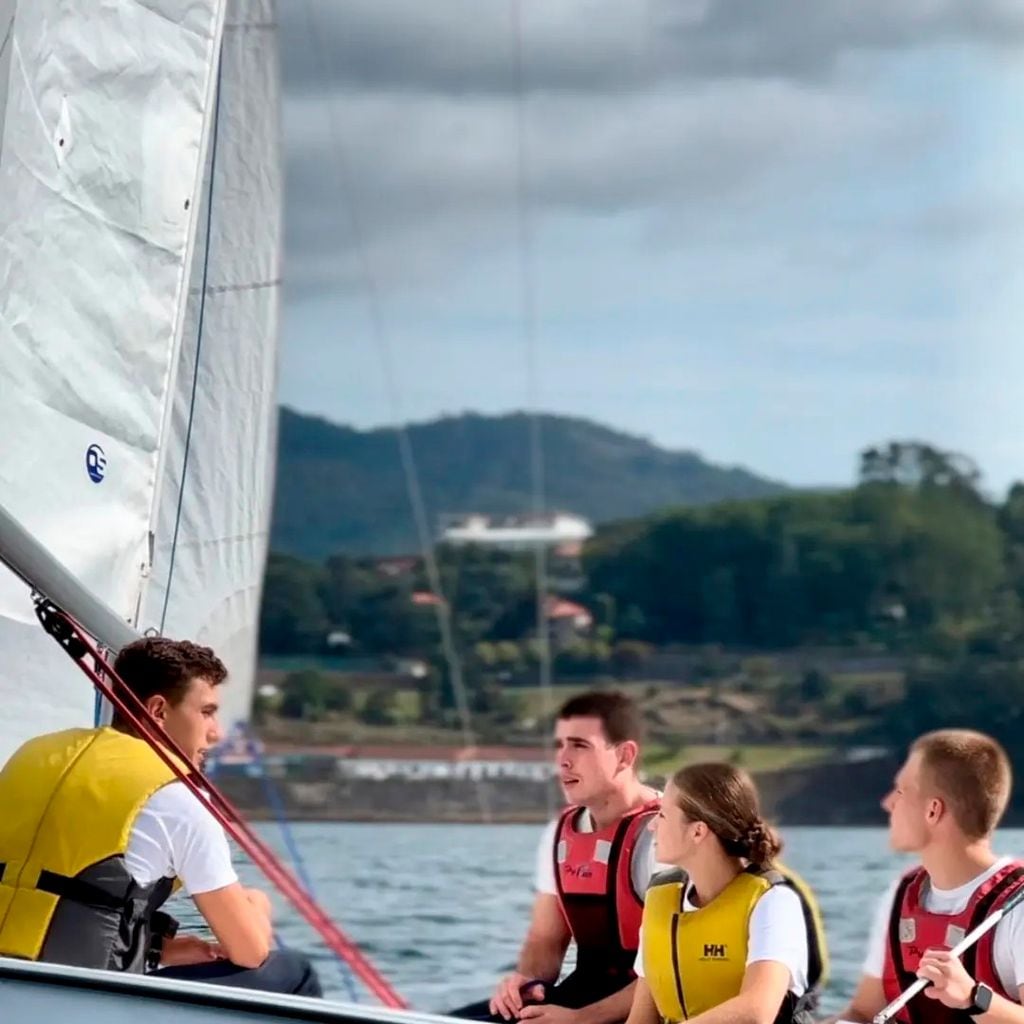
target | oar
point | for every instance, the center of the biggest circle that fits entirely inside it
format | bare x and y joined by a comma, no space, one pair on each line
958,950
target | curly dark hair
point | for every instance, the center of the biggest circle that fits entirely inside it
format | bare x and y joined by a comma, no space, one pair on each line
158,665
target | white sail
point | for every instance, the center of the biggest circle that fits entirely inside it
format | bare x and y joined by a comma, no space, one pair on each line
105,128
6,31
215,498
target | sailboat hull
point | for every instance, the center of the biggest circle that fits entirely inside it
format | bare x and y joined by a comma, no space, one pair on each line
32,992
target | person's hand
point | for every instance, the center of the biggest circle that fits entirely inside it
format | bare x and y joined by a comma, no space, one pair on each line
508,997
184,950
950,982
548,1014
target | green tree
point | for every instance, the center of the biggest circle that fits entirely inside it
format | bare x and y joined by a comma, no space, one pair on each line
292,616
583,658
345,584
309,695
883,560
814,685
380,707
972,693
388,621
629,656
917,465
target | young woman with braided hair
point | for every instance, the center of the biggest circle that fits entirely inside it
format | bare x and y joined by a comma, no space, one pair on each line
731,937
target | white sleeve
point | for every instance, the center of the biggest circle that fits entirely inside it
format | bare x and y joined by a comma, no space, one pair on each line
644,866
874,959
1008,952
175,835
638,963
777,932
1015,932
544,874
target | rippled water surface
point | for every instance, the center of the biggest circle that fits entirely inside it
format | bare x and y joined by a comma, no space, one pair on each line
441,909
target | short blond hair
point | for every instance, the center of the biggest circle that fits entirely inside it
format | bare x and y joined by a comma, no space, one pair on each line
971,772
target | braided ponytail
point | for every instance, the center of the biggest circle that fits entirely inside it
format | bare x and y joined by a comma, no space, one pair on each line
725,799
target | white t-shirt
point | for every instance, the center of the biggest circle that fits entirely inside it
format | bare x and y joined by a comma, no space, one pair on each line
642,866
1008,944
174,835
776,931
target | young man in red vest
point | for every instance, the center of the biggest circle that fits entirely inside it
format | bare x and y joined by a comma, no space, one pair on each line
593,866
944,806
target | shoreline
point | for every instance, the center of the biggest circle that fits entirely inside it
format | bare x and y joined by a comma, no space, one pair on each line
822,795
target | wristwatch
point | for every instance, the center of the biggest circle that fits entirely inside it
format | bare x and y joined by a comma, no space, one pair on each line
981,999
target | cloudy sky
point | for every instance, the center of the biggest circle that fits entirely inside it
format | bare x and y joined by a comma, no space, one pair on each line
771,232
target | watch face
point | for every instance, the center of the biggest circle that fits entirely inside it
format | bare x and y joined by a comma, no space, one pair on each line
982,997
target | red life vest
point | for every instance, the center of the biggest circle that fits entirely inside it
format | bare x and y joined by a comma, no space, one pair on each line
595,889
912,930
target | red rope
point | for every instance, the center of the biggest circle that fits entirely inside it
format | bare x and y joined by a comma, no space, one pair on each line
136,714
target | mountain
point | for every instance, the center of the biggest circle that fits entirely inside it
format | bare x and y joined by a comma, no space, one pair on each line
340,489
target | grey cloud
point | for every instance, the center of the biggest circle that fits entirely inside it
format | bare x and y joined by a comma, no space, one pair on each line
691,115
466,46
806,38
438,173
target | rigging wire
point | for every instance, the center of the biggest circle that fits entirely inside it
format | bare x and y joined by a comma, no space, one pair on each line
526,254
382,345
203,293
254,748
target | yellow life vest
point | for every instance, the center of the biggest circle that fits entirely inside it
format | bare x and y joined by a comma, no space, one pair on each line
695,960
69,800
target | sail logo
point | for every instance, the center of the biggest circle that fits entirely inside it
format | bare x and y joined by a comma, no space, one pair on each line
95,463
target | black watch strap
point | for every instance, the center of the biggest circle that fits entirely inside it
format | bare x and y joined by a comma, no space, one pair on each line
981,999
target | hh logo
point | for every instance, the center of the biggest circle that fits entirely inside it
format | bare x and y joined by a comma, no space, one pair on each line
578,871
714,951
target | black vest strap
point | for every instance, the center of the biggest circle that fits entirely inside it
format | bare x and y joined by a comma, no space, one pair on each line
81,892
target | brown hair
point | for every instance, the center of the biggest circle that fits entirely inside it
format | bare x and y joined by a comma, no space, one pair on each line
725,799
157,665
972,774
619,716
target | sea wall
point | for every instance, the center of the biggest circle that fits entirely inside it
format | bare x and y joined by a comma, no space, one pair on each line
824,794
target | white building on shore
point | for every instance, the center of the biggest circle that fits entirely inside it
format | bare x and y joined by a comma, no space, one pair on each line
527,764
516,533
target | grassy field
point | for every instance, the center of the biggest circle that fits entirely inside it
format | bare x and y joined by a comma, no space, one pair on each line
661,760
533,703
762,722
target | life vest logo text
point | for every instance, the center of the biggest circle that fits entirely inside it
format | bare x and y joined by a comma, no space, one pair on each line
578,870
714,951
